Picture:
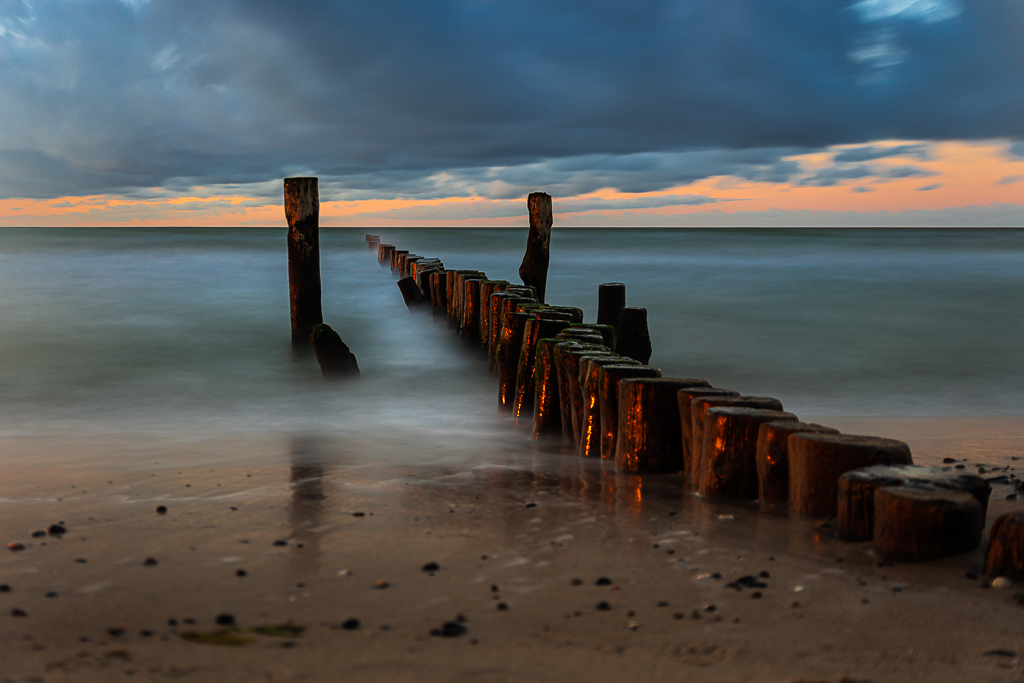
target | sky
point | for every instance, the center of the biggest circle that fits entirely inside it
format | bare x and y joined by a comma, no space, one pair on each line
449,112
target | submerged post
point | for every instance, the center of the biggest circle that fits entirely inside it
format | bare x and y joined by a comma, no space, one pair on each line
534,269
302,208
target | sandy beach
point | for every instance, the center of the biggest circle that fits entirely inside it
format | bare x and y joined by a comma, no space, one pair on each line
548,567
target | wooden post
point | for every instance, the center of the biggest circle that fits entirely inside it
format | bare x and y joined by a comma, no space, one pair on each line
512,328
773,457
470,327
488,287
730,450
699,407
384,254
590,391
611,299
634,341
414,301
857,493
536,328
335,358
608,377
395,254
817,460
571,360
918,523
684,399
438,293
1005,553
648,431
302,209
547,416
566,377
534,268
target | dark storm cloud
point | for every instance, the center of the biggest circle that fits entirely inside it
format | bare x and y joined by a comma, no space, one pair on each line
490,97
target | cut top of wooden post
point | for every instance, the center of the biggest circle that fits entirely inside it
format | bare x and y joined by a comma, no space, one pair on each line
301,200
534,268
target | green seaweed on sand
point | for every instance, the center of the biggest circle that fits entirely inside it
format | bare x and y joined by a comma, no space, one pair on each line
226,637
288,630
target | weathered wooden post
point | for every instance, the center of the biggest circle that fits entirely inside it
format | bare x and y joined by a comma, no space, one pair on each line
590,391
817,460
512,328
730,450
914,524
773,457
684,399
648,432
414,300
608,377
567,376
571,364
633,339
302,209
384,254
611,299
534,268
547,416
536,328
1005,553
699,406
488,287
335,358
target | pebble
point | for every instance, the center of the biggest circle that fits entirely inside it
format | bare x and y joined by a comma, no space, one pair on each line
225,620
450,629
709,607
576,582
51,594
80,560
633,625
1001,582
280,543
150,562
115,632
603,581
4,588
56,530
662,603
502,607
358,514
38,534
18,612
14,547
531,505
381,583
430,567
350,624
161,510
603,606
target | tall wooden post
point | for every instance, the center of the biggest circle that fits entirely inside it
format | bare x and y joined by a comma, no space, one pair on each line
534,269
302,208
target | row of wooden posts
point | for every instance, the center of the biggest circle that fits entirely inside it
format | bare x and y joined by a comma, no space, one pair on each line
590,383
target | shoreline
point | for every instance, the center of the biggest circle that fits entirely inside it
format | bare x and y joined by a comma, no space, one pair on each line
542,519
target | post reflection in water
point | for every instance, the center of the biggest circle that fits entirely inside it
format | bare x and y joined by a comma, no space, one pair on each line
310,460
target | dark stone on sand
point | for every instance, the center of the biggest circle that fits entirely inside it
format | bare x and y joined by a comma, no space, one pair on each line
115,632
430,567
603,606
350,624
149,562
51,594
4,588
38,534
225,620
603,581
145,633
241,572
450,629
280,543
56,530
18,612
502,607
80,560
14,547
161,510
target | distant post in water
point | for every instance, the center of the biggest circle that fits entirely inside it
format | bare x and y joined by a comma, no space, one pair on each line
534,269
302,208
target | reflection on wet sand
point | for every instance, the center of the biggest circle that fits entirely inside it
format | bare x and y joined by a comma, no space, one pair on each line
310,460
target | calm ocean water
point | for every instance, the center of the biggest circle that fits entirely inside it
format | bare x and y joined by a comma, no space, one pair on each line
171,331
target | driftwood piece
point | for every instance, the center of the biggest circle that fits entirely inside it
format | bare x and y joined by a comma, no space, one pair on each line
611,299
590,391
684,399
608,378
302,209
773,457
648,430
566,355
512,328
919,523
633,338
536,328
335,358
818,459
729,451
699,406
547,413
1005,553
534,268
856,503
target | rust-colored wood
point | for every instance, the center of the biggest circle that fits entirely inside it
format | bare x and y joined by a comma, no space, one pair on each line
534,268
919,523
590,392
547,413
729,454
684,399
608,378
302,209
648,429
512,328
1005,553
566,355
856,505
537,328
773,457
818,459
699,406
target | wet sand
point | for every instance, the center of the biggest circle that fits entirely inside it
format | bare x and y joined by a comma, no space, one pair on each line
521,538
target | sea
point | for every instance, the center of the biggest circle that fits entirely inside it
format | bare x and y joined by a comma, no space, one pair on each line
161,333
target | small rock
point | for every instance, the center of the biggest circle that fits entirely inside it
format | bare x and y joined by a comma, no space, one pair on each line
145,633
756,595
280,543
494,588
56,530
381,583
358,514
576,582
241,572
225,620
603,606
80,560
708,607
161,510
14,547
51,594
531,505
633,625
450,629
502,607
115,632
150,562
350,624
38,534
1000,653
662,603
603,581
18,612
677,615
1001,582
430,567
4,588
